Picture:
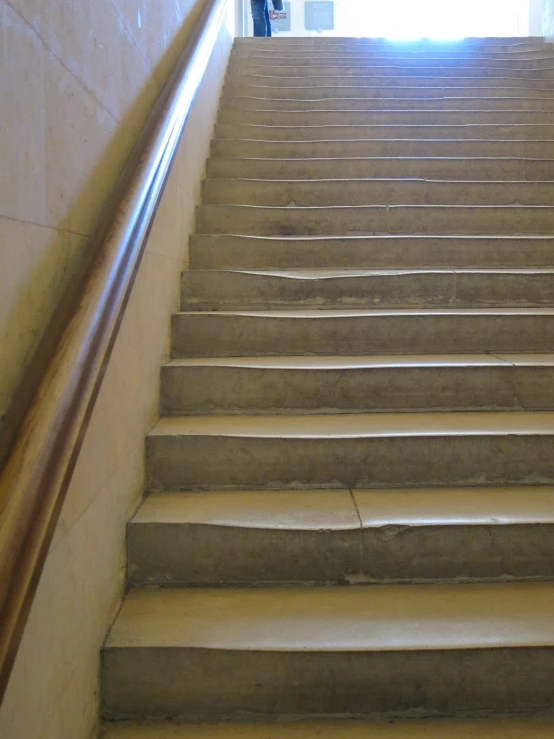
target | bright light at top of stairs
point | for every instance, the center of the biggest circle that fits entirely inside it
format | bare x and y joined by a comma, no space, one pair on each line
405,20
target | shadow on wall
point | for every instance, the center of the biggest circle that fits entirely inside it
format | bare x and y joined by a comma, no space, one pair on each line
29,305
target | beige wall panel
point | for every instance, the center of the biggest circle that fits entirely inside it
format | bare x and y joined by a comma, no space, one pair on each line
79,120
35,264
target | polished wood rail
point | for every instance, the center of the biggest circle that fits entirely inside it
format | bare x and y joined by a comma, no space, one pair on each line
43,435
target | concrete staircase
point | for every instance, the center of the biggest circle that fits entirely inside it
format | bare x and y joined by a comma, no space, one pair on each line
350,506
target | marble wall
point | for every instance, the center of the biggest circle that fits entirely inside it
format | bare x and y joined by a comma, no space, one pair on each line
77,80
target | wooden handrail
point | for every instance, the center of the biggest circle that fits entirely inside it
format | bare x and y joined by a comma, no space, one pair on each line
62,384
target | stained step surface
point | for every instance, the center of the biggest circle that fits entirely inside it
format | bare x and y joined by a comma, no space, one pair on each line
335,384
374,191
220,290
354,332
342,536
228,251
351,451
375,219
448,168
360,650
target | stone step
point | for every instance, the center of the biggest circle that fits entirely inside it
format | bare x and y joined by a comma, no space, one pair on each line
378,63
517,131
403,102
362,332
351,83
359,192
339,536
388,53
384,56
215,290
474,47
346,117
351,451
322,65
346,384
307,651
404,147
444,168
486,728
208,251
376,219
471,42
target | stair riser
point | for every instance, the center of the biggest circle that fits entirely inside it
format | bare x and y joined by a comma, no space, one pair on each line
180,682
219,335
384,55
209,291
350,83
401,102
218,390
473,43
236,252
174,555
383,65
399,219
533,170
374,192
346,117
207,462
525,132
381,148
298,66
168,555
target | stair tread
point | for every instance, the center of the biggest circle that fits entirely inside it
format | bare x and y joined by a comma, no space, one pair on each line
491,728
362,425
339,510
393,181
282,510
296,273
353,238
398,159
331,619
369,362
322,313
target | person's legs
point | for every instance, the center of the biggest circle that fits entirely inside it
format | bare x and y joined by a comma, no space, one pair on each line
267,20
260,16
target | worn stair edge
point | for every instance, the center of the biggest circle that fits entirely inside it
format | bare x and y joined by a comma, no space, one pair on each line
347,116
176,653
373,191
351,84
351,451
207,290
385,55
299,67
334,384
437,148
376,219
430,103
536,68
328,78
478,131
256,537
213,251
356,331
446,168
